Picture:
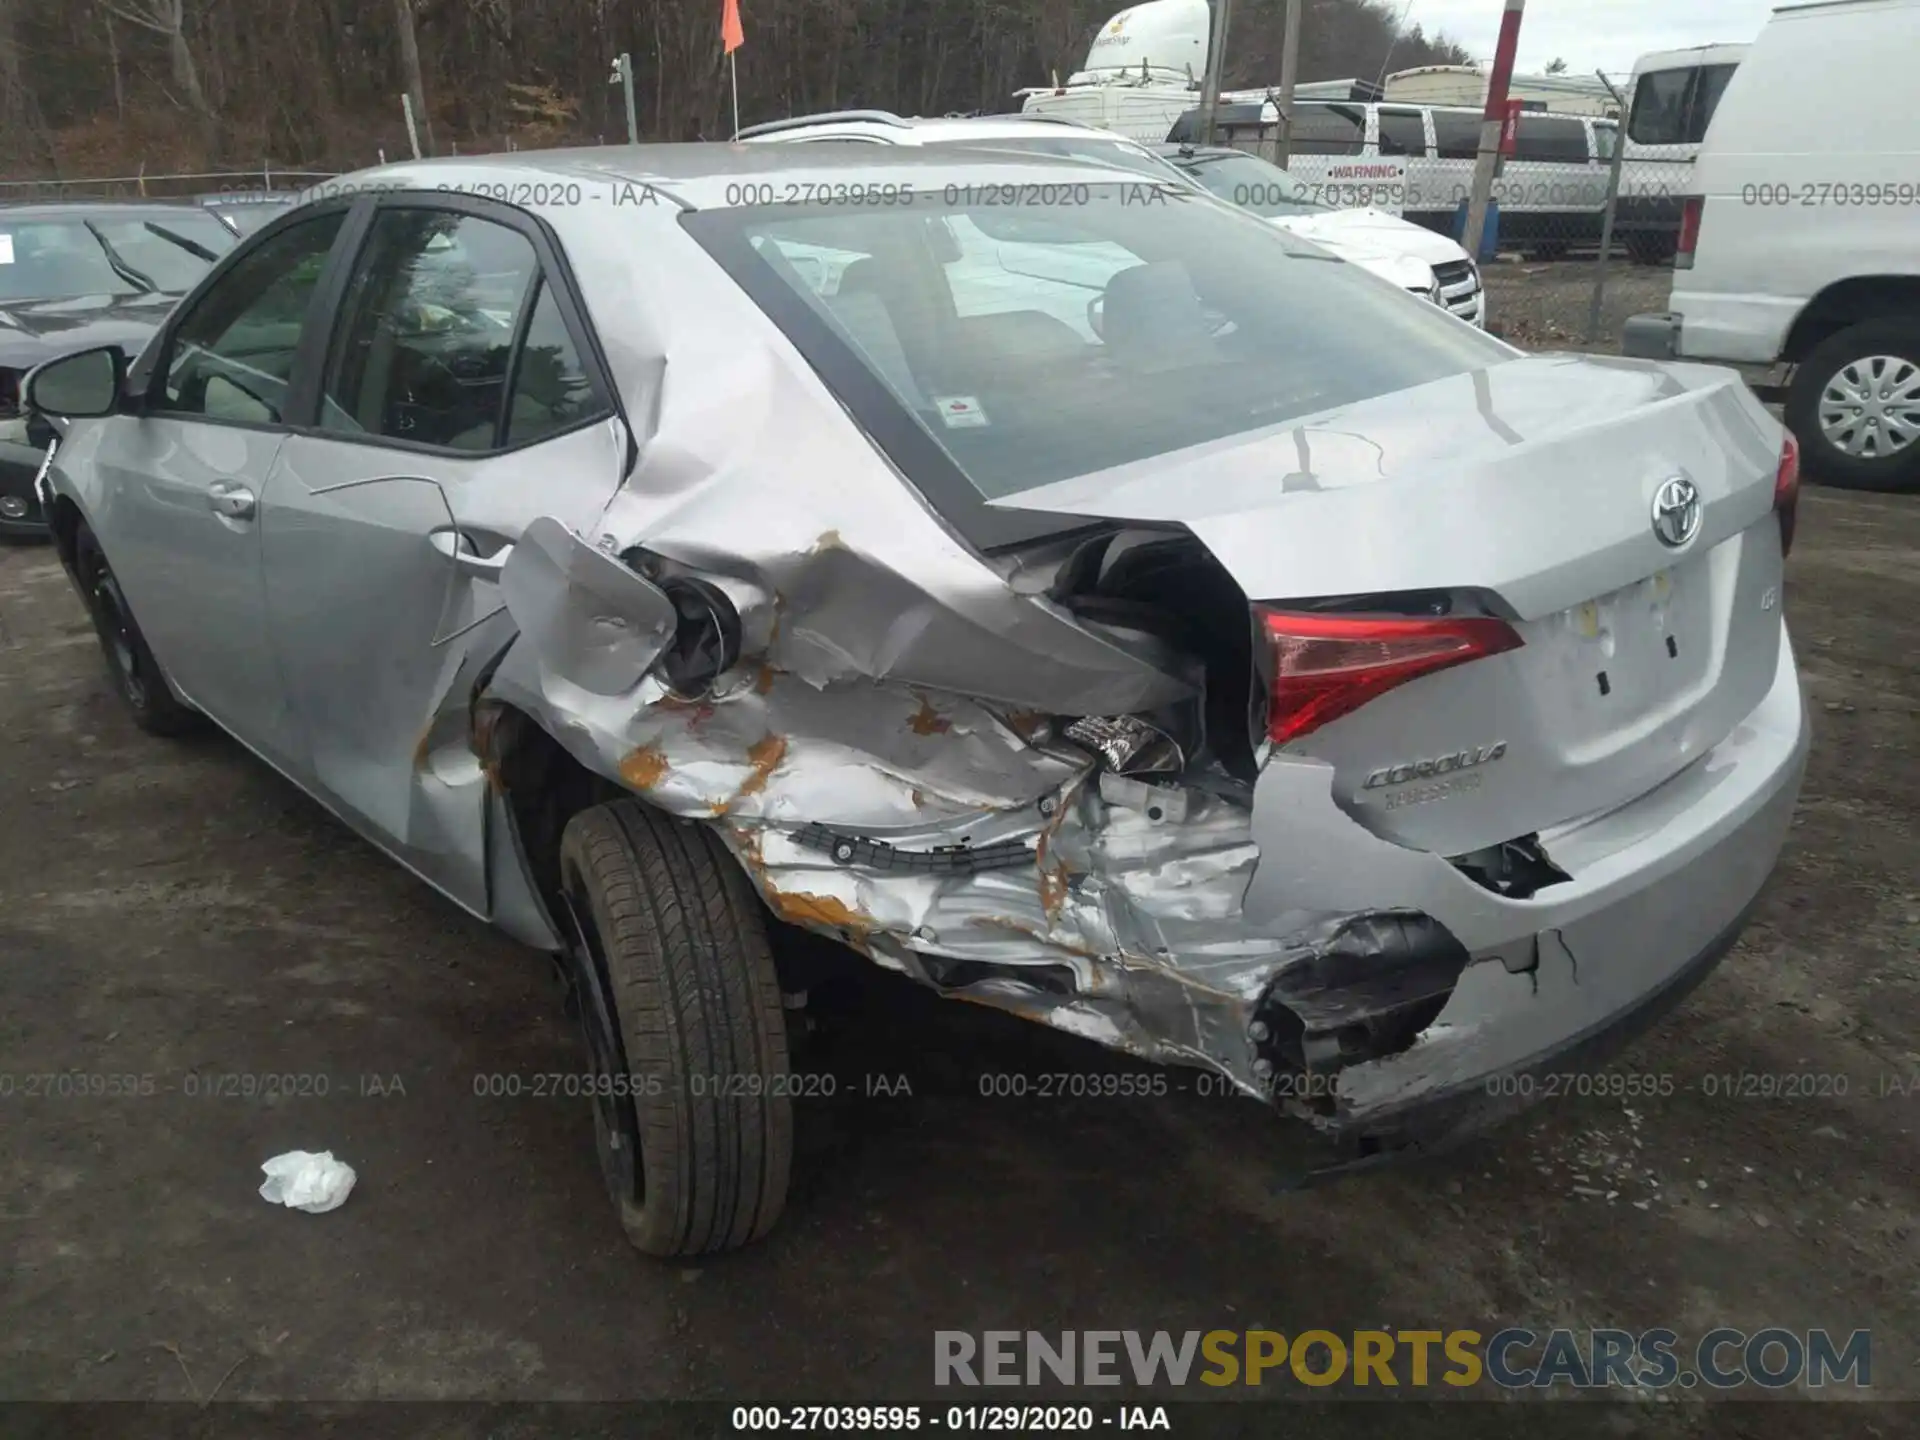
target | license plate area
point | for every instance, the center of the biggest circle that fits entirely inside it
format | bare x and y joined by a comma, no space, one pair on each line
1635,654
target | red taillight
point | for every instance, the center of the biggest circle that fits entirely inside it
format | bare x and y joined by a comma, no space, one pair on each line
1326,666
1690,212
1786,490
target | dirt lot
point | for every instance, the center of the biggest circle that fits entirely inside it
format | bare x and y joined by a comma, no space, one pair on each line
1543,305
175,910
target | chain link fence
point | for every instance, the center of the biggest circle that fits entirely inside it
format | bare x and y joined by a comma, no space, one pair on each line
238,184
1544,229
1565,200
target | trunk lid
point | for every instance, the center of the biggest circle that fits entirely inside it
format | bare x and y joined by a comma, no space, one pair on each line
1528,487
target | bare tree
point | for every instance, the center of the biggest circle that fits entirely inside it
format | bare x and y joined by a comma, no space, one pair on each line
20,112
167,18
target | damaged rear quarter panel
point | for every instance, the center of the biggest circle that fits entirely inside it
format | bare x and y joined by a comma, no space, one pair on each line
888,687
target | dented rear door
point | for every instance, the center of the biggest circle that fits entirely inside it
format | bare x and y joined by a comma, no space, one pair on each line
457,406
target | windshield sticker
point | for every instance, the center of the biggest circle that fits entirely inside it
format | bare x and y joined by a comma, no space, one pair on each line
6,249
960,412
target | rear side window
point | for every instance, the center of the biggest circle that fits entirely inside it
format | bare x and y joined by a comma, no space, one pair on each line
552,389
1402,132
1456,134
1555,138
1328,130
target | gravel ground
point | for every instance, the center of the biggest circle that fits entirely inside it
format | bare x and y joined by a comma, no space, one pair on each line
1543,305
170,910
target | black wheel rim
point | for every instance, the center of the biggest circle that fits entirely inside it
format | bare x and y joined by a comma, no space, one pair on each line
616,1128
115,626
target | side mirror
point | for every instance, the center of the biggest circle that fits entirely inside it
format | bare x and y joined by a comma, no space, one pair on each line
80,386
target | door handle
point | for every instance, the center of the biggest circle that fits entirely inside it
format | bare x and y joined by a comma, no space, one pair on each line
466,559
235,502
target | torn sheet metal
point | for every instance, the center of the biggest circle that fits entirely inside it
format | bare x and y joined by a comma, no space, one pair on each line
895,690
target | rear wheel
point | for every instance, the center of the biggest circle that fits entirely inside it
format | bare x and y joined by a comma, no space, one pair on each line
135,673
679,1005
1855,407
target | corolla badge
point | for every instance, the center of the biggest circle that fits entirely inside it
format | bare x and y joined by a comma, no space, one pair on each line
1676,511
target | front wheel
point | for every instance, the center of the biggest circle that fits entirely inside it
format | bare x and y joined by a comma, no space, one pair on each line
679,1004
136,675
1855,407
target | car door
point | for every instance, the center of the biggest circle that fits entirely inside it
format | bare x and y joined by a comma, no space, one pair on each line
461,398
182,476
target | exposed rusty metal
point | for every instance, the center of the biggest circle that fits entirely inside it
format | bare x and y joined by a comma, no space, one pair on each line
644,768
800,907
929,721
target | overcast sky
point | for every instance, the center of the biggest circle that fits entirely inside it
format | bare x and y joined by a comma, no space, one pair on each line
1591,34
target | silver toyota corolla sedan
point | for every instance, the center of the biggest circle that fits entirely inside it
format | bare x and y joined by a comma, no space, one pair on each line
1075,595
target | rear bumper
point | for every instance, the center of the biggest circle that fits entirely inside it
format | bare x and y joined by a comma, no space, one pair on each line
1445,1117
1651,337
1709,325
1660,890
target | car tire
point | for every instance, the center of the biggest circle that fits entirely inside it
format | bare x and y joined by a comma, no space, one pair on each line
1836,367
679,1003
136,675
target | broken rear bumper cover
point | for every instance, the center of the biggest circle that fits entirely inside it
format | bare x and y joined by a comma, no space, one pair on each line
1661,891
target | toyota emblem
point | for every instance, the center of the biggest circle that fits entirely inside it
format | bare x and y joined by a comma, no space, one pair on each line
1676,512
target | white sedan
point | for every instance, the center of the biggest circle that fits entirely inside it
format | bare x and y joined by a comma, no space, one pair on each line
1367,237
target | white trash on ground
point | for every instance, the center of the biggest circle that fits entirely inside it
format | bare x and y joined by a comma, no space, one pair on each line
302,1180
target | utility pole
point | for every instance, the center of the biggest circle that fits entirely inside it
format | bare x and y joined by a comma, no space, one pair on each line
1289,71
623,77
1216,59
1492,121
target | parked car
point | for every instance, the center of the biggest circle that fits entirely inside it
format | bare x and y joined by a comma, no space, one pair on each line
1273,194
1273,677
1390,257
73,276
1800,246
245,211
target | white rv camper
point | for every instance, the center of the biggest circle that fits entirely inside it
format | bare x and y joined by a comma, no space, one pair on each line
1143,72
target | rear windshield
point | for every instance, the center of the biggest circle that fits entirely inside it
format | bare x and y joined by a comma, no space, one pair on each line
1073,328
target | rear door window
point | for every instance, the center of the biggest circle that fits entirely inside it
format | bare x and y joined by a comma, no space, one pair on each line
428,329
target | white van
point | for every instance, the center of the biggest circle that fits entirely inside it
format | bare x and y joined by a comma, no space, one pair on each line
1417,161
1800,242
1670,100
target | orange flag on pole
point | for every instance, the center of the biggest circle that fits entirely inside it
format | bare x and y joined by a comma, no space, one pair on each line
732,37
